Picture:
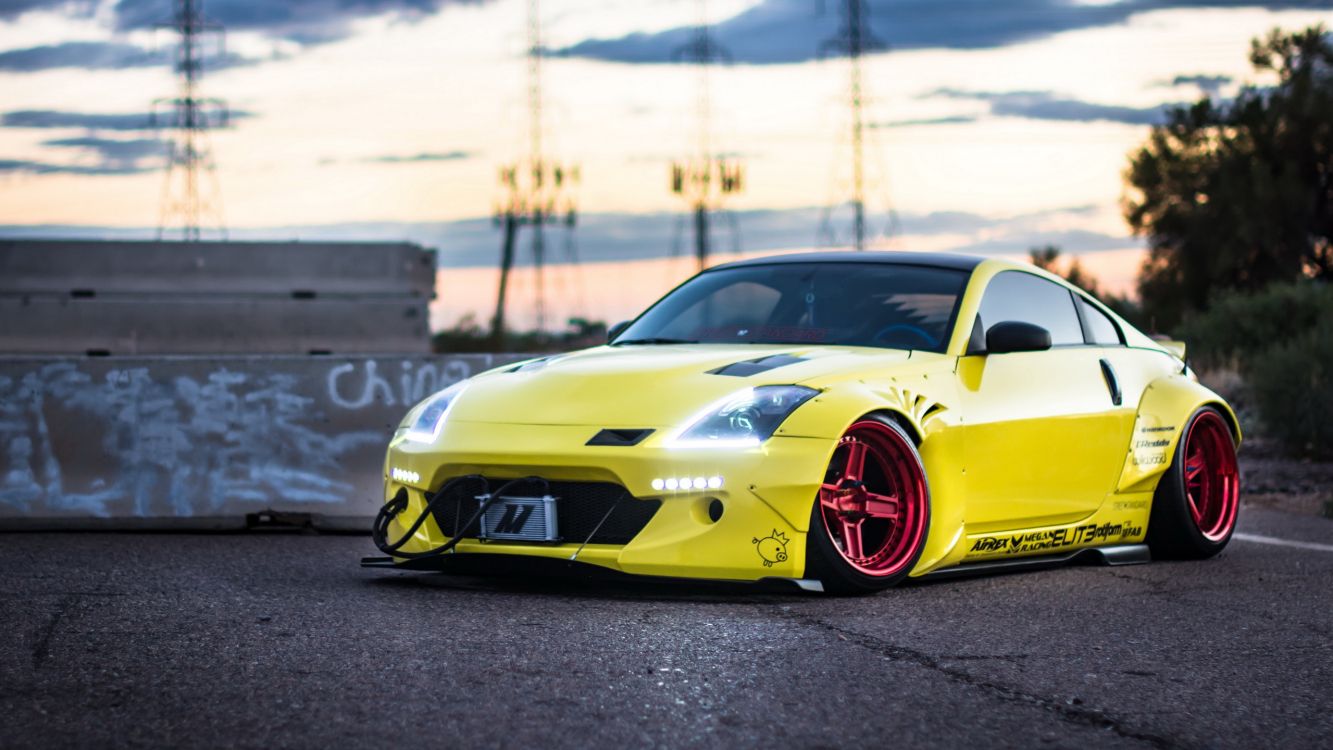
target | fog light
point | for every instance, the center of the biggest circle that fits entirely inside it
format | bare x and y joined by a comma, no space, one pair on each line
686,483
405,476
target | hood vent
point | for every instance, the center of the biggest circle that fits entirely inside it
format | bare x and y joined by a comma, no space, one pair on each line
622,438
755,366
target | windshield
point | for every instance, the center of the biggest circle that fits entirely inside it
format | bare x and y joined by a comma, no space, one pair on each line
853,304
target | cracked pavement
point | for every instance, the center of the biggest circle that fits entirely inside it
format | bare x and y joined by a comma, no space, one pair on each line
275,640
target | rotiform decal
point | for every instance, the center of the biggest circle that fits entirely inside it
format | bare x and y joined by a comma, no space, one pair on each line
1052,539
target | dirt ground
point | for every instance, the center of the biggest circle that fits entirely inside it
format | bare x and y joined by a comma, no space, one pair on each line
1271,480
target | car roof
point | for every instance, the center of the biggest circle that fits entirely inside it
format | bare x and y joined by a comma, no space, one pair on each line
936,260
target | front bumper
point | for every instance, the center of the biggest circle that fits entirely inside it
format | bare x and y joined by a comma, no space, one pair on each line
766,497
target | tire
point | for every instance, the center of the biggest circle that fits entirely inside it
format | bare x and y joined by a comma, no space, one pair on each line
1195,506
882,506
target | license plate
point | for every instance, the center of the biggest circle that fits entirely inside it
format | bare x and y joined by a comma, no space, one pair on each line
529,519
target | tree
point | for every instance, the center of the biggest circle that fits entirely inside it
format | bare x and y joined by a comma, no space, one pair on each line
1239,194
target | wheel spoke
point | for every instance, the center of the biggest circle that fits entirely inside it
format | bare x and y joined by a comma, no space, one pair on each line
856,461
881,506
832,499
1194,507
851,538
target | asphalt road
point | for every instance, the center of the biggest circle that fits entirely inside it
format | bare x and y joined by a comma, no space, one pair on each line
282,641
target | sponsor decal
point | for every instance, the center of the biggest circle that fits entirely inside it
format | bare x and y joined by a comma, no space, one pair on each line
772,548
1052,539
514,519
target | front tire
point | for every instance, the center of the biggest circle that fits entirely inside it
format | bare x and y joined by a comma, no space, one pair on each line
871,518
1194,509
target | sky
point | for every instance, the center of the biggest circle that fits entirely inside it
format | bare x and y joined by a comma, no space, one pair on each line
993,127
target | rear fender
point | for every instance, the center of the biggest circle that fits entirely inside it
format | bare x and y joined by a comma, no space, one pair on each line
1163,413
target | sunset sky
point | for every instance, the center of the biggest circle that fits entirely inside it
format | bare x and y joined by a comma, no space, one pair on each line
995,126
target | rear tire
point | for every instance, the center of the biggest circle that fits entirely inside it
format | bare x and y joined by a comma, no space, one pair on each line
1197,500
871,518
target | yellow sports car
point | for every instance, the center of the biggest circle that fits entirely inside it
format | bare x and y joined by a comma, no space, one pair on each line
840,420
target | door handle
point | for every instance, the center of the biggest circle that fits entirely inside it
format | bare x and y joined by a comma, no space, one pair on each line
1112,383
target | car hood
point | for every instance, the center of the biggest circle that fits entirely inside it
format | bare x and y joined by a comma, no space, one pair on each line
650,385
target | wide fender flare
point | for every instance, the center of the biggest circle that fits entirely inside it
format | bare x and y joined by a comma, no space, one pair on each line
1163,413
927,409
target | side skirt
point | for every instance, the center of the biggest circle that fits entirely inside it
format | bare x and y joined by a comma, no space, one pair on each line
1121,554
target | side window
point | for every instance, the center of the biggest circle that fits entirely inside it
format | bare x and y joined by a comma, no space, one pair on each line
1101,329
1022,297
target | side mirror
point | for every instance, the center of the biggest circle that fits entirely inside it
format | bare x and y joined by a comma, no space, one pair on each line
616,330
1013,336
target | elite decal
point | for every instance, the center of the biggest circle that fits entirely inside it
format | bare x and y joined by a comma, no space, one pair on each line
1036,541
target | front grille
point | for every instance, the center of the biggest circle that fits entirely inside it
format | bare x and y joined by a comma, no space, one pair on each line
580,506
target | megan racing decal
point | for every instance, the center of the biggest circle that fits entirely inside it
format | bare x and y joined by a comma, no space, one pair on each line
1036,541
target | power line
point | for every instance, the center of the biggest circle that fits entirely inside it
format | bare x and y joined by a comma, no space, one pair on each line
853,40
706,179
536,191
186,203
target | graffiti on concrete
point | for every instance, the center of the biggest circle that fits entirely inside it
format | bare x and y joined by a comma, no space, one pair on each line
171,446
356,387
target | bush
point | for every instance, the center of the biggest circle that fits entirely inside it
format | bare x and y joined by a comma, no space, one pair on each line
1280,340
1293,388
1238,328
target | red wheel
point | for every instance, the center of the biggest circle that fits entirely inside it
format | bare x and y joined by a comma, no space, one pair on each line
1212,481
873,509
1194,510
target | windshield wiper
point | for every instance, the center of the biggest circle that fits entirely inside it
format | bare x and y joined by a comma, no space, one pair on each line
657,340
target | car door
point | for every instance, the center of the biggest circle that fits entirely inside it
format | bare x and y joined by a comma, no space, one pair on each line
1043,439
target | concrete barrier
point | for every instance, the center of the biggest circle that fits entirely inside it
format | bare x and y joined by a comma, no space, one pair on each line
100,267
42,324
76,297
205,442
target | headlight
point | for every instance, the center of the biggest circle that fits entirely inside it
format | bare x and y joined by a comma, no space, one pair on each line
427,419
742,419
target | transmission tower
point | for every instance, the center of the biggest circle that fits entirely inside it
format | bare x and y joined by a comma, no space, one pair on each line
706,179
186,203
536,191
853,40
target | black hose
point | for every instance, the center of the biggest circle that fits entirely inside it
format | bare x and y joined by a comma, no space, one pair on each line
379,532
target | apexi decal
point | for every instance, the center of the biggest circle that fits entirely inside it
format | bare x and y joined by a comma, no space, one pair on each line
1036,541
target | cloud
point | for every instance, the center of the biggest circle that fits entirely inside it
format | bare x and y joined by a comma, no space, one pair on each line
791,31
102,56
93,55
305,21
1210,85
114,151
611,237
97,157
10,9
46,168
1044,105
47,118
927,121
422,157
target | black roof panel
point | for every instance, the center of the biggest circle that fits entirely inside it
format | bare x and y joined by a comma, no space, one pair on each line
937,260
